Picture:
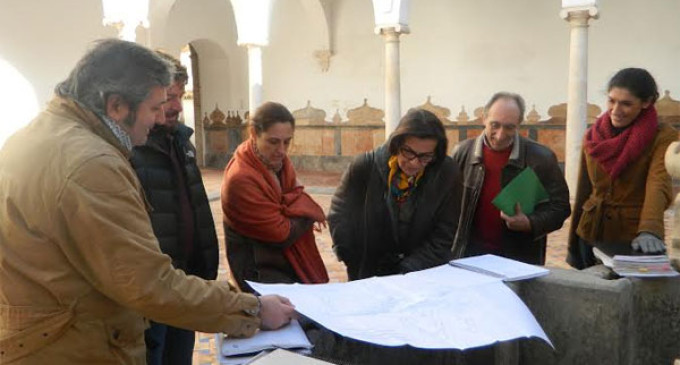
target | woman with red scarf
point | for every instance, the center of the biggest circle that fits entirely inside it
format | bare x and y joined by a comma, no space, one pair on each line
623,187
268,218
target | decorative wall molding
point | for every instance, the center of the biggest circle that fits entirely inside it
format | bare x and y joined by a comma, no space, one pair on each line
339,140
667,106
441,112
533,117
323,57
309,115
558,113
365,115
219,120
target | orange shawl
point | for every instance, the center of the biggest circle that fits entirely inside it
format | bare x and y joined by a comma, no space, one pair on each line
256,206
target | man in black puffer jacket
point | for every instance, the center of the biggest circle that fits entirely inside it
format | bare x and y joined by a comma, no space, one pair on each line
181,217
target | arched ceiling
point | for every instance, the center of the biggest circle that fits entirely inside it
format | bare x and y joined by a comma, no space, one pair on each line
319,14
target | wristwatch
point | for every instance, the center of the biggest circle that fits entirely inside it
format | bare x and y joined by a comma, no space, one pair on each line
255,312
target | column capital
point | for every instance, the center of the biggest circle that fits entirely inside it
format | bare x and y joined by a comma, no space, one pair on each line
252,45
399,29
580,15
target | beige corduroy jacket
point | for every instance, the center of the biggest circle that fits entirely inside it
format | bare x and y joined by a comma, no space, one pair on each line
80,268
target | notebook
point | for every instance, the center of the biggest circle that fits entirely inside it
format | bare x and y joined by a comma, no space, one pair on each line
500,267
525,189
242,350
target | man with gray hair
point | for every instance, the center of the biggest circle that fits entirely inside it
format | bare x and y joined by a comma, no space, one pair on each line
80,267
488,163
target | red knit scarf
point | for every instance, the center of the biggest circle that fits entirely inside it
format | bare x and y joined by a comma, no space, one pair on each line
614,152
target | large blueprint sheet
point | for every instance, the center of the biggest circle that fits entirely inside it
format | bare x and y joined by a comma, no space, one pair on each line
439,308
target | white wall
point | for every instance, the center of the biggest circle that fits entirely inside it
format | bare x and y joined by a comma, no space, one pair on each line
633,33
43,39
461,51
40,42
293,76
210,27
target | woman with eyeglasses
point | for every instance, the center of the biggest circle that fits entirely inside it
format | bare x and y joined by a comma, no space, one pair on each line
397,209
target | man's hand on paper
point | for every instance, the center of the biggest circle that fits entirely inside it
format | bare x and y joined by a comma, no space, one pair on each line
276,311
648,244
518,222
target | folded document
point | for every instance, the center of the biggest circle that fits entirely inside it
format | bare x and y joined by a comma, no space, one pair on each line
525,189
500,267
241,350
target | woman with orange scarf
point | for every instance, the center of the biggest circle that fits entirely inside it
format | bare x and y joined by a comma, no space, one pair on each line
623,187
268,218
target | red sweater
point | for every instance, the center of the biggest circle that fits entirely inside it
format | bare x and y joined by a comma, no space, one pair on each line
487,225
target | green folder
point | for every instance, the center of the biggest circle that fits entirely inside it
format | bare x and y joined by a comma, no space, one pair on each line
525,189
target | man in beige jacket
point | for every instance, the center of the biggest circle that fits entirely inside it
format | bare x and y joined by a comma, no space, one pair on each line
80,268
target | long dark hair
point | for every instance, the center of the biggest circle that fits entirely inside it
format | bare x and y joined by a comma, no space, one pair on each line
637,81
419,123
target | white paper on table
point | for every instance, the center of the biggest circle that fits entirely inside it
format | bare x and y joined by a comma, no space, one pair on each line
439,308
502,267
289,337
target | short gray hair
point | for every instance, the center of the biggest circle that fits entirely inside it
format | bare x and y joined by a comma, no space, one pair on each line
510,96
118,67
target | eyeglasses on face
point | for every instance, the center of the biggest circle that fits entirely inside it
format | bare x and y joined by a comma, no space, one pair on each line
410,154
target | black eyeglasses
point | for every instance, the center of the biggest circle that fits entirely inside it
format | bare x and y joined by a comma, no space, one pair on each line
410,154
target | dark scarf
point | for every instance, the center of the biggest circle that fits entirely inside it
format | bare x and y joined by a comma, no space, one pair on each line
613,149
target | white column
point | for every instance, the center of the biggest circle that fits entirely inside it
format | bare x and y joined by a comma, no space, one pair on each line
254,78
577,103
392,80
253,18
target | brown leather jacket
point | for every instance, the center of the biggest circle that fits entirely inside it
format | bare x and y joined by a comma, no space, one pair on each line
547,217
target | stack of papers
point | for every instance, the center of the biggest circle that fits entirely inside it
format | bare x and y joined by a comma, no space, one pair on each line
643,266
500,267
603,257
242,350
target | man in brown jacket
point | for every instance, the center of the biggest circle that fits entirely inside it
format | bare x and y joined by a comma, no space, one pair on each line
80,267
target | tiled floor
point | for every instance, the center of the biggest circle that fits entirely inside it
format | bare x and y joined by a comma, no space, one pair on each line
315,181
